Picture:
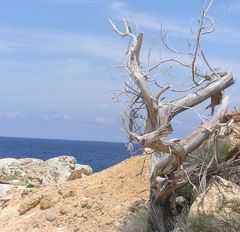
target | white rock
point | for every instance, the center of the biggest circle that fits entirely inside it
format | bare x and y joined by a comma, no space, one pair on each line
4,189
86,169
20,172
220,200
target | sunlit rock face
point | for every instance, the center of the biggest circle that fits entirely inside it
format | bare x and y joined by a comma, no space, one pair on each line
35,172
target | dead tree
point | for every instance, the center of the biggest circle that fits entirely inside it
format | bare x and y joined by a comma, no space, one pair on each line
148,117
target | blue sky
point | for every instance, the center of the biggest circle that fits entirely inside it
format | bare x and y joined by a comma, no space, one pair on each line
56,79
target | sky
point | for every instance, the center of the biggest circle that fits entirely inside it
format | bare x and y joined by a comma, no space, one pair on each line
56,61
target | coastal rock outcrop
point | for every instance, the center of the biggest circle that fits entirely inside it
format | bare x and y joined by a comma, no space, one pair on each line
32,172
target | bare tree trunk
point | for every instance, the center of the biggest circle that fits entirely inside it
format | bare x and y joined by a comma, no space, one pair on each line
159,215
157,113
156,157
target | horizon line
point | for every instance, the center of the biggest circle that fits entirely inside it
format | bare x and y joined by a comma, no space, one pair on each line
44,138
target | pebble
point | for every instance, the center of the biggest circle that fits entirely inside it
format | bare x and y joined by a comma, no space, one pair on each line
51,217
65,208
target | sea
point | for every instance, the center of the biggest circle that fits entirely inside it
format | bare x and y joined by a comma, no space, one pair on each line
99,155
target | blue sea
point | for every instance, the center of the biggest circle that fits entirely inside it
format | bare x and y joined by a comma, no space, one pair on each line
99,155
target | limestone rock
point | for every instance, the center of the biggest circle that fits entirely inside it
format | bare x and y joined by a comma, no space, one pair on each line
66,192
76,174
86,169
4,190
221,199
63,166
65,208
23,170
51,217
80,171
35,172
48,201
86,202
28,204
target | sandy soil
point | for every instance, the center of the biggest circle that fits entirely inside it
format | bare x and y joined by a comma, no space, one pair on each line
96,203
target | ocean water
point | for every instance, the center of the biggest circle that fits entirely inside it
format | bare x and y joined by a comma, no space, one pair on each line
99,155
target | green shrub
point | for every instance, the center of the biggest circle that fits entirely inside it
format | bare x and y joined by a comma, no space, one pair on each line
201,223
137,222
29,185
204,152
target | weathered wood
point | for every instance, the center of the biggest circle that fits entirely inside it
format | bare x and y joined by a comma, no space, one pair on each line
168,156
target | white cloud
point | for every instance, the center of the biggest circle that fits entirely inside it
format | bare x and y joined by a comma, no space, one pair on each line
234,7
55,116
13,115
105,120
61,43
173,26
150,21
75,1
226,35
99,120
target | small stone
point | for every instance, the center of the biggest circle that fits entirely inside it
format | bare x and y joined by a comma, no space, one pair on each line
76,204
64,209
83,215
25,192
181,200
51,217
109,222
97,206
117,225
86,203
48,201
66,192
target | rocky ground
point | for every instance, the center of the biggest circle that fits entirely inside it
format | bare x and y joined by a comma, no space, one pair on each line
37,172
95,203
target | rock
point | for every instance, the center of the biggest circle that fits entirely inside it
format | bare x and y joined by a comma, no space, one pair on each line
181,200
66,161
28,204
86,169
63,166
76,174
26,192
109,221
65,192
60,230
80,171
86,202
83,215
48,201
232,174
221,200
83,175
7,198
4,190
35,172
51,217
65,208
21,171
117,225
